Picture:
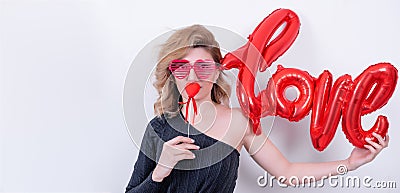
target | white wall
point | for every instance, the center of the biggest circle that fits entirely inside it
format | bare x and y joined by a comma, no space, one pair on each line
63,69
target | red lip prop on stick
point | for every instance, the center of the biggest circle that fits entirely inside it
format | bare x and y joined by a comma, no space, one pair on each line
191,90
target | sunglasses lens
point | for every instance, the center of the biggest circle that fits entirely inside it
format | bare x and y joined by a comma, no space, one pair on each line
204,69
180,69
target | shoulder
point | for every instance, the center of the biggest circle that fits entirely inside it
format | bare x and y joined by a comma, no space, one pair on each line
242,130
235,113
239,118
238,114
239,122
156,125
157,121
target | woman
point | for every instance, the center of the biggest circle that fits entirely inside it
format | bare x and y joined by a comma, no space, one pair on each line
203,156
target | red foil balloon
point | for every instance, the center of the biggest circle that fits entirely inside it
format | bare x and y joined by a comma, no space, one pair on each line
258,54
359,102
327,108
352,100
300,107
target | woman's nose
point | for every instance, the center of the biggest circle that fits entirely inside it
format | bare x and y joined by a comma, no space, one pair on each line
192,75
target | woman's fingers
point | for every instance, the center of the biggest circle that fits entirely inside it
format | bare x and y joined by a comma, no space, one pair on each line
382,142
180,146
379,137
176,150
387,140
186,155
373,144
187,146
371,149
180,139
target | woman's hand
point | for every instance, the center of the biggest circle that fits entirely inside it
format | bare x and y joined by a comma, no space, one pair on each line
173,151
361,156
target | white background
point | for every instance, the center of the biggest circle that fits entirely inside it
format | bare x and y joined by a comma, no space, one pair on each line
64,63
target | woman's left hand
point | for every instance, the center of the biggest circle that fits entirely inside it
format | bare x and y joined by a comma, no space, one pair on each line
361,156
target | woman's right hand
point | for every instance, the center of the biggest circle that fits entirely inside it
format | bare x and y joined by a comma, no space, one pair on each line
173,151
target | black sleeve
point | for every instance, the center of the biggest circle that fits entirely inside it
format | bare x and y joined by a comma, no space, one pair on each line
141,180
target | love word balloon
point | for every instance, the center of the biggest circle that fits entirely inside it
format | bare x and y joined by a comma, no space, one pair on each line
347,98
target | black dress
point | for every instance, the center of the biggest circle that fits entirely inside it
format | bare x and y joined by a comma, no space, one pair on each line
214,169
